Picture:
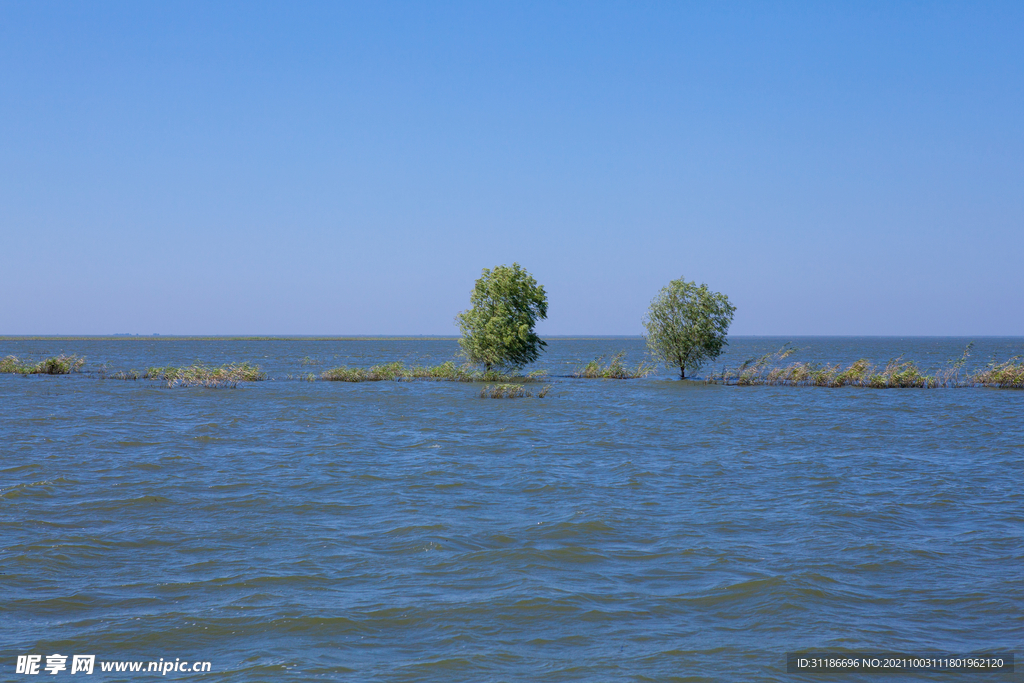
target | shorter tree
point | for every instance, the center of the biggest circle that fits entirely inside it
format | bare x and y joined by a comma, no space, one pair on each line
686,325
498,330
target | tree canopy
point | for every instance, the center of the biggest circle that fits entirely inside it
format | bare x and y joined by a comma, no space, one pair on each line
498,331
687,325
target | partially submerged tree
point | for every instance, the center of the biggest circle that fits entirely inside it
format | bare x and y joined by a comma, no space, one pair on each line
686,325
498,331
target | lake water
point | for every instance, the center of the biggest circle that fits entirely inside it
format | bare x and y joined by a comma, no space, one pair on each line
641,530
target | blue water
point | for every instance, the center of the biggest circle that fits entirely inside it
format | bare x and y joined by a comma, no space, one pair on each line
640,530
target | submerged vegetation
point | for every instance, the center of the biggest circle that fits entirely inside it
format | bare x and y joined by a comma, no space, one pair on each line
1008,375
768,370
615,369
446,372
511,391
55,365
199,375
125,374
376,373
195,375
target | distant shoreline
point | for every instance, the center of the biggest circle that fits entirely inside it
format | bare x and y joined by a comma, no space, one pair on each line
169,337
383,337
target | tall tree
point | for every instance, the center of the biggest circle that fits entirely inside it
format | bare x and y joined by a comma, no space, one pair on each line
498,331
687,325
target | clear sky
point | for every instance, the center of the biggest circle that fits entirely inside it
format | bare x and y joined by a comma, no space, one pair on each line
349,168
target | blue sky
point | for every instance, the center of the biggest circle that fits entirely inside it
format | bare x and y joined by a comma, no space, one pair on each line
349,168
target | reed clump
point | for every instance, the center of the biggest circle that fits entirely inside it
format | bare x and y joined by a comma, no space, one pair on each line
950,377
446,372
897,374
375,373
902,374
615,369
304,377
767,370
55,365
59,365
511,391
11,364
213,377
1007,375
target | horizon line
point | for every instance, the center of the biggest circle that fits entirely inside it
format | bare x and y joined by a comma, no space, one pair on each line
439,337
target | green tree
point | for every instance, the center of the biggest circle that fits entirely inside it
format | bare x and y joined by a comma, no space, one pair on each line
498,330
686,325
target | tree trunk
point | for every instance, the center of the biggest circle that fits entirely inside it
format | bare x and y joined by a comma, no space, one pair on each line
682,372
